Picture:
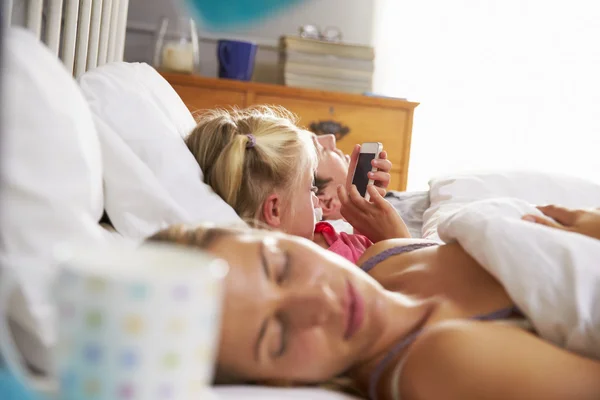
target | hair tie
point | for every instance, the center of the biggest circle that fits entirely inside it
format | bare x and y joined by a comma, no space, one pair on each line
251,141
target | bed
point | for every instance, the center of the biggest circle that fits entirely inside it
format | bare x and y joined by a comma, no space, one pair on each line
119,132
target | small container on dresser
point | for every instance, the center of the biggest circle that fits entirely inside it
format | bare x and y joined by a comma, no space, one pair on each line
351,118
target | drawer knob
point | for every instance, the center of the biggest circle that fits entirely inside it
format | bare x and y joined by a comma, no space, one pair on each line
330,128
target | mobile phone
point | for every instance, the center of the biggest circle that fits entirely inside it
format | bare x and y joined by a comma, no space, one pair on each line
368,152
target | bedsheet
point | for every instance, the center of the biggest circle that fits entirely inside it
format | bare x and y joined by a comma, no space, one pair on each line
410,206
553,276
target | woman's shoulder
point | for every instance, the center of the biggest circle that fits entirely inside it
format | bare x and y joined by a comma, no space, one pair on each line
469,359
452,351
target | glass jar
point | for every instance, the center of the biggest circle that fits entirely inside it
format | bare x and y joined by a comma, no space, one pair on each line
177,50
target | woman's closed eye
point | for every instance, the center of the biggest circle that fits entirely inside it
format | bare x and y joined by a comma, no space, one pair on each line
282,277
283,337
321,184
278,268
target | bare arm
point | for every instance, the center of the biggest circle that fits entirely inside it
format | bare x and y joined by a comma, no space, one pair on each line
585,222
489,361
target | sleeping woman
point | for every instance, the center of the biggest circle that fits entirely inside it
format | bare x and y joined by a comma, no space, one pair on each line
425,322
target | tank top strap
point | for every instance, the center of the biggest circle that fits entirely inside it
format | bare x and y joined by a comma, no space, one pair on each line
393,251
380,367
501,314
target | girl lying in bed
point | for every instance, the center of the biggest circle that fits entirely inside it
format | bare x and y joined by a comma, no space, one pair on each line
425,322
263,165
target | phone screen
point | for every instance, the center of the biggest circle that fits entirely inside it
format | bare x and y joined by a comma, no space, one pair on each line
363,166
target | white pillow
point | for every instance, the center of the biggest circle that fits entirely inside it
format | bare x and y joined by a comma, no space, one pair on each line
151,180
449,193
50,174
253,392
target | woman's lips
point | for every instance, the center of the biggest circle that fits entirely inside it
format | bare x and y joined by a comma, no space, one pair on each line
355,311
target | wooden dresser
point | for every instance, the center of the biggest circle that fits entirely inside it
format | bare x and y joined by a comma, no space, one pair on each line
352,118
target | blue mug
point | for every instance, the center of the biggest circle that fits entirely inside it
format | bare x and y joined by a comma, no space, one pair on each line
236,59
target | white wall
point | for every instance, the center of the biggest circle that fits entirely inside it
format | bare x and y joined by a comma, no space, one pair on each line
353,17
502,84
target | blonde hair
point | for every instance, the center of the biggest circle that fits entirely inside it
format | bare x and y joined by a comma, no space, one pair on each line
201,236
244,174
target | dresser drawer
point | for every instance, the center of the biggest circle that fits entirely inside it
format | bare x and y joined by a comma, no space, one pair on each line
352,118
357,124
199,98
354,124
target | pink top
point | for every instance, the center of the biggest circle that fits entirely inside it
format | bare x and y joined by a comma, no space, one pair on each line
351,247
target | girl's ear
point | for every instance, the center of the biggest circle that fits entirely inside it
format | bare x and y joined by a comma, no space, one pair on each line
271,210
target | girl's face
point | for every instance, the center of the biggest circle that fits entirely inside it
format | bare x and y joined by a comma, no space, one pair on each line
332,172
293,311
333,163
298,217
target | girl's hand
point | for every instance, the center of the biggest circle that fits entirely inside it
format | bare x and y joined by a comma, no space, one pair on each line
376,219
381,177
585,222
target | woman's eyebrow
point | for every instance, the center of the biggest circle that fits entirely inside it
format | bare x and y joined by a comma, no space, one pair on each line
259,339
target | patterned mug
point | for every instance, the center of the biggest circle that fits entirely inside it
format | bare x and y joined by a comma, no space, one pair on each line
137,323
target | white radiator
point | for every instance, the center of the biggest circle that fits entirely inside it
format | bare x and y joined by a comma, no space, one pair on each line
83,33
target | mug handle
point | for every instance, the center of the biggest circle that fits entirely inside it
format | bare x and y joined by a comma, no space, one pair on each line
224,56
8,347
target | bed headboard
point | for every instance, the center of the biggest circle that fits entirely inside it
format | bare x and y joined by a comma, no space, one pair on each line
83,33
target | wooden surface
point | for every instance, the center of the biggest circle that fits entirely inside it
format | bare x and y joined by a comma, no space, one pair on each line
367,119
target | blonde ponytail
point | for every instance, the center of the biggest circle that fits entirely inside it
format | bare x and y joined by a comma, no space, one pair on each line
243,170
229,169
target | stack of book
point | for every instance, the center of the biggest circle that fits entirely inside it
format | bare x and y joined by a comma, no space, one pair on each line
316,64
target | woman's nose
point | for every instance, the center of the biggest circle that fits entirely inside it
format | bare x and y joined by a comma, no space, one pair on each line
327,141
309,307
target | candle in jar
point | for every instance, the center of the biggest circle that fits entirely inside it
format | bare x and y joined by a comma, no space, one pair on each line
178,57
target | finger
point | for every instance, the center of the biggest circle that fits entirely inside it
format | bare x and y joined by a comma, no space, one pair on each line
381,190
343,195
357,200
382,179
382,165
377,198
560,214
348,205
352,165
348,209
383,155
543,221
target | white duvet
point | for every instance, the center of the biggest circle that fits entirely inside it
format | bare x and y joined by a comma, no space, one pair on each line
552,276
